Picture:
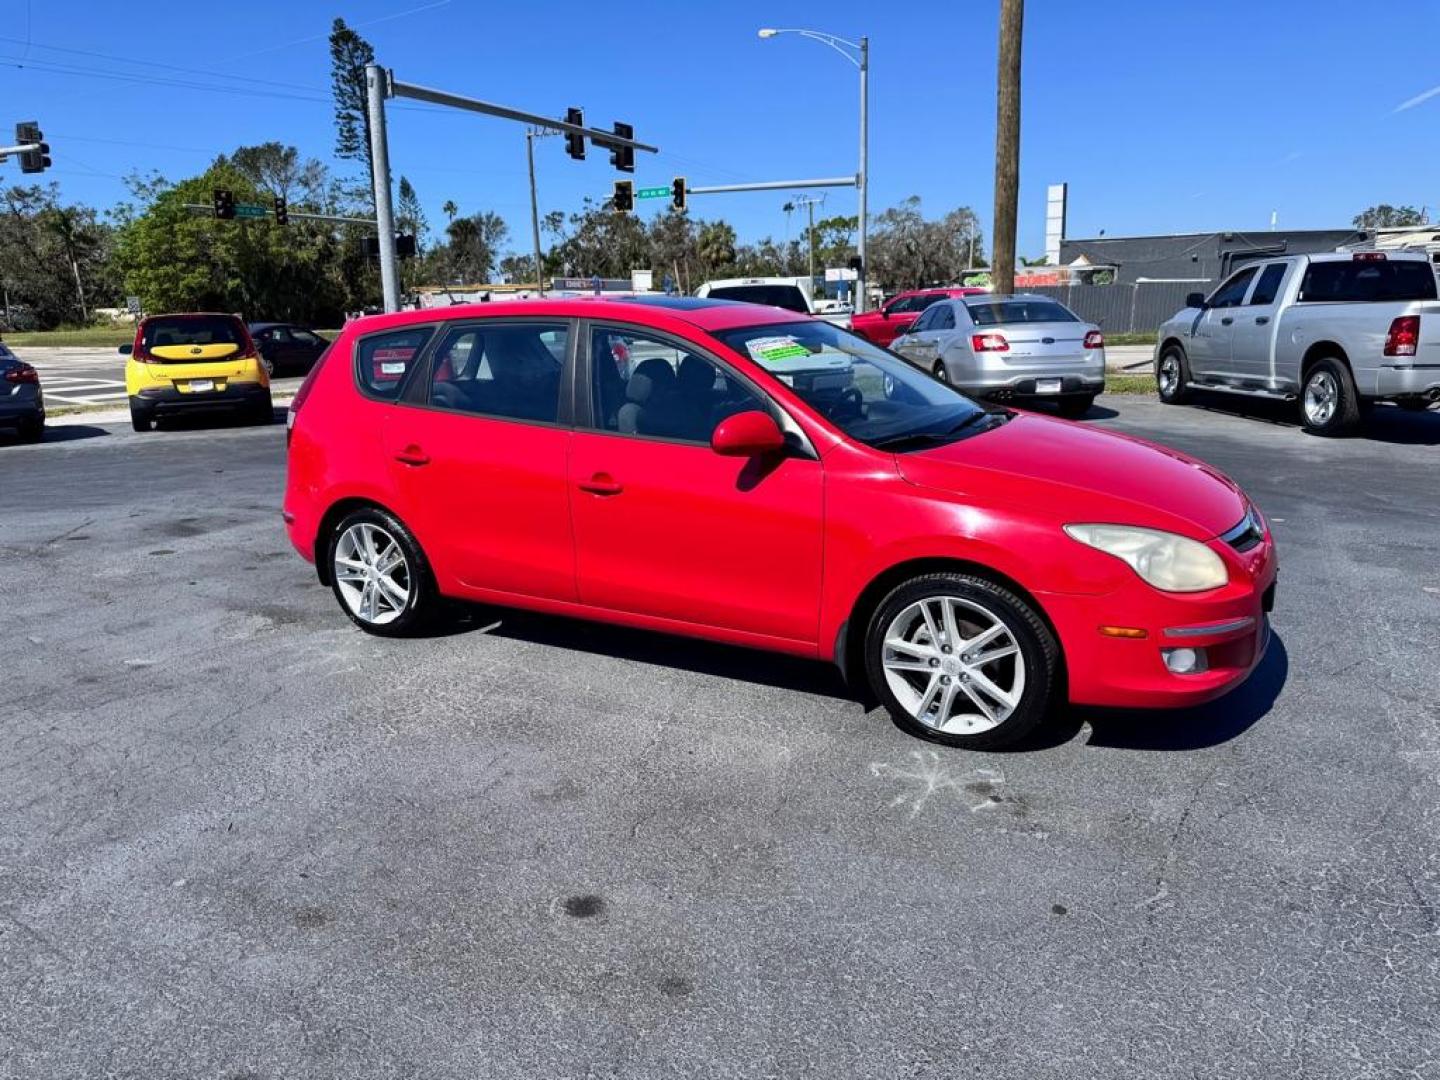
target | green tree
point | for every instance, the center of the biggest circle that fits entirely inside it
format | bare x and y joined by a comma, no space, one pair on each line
54,259
349,54
410,216
1385,216
472,248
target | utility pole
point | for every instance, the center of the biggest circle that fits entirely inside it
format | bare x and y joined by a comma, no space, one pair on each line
1007,145
862,293
376,91
809,201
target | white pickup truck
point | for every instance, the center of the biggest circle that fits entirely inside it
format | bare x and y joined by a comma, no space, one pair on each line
790,293
1337,331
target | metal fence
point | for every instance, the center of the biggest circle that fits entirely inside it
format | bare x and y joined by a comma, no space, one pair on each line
1123,308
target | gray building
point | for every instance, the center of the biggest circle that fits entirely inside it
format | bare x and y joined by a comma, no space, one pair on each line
1198,257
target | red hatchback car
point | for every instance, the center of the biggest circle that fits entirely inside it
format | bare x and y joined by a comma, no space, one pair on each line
898,314
766,479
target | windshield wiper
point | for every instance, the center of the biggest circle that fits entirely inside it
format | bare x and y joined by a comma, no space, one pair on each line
935,438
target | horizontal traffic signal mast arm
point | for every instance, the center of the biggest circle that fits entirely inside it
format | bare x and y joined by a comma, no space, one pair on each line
598,136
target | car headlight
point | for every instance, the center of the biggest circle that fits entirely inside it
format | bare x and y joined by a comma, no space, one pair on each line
1169,562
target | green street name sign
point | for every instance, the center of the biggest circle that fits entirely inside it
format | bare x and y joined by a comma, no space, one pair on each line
246,210
646,193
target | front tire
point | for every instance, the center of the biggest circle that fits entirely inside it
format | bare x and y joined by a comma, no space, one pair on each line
1329,403
1172,376
1073,408
961,660
940,372
379,574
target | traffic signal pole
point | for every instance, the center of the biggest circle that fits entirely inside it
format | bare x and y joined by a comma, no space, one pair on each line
381,84
375,94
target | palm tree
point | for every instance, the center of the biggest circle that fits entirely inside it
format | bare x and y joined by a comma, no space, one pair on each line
450,209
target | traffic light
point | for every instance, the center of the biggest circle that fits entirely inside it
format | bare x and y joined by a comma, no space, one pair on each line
405,245
37,160
677,193
282,211
370,247
224,203
574,141
856,263
623,157
624,196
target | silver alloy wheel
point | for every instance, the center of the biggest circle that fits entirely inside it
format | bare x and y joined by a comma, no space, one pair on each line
941,372
1322,397
954,665
372,573
1169,374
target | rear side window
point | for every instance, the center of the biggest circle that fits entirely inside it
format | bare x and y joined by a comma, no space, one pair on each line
511,371
782,296
383,360
193,330
1352,280
1268,287
1004,312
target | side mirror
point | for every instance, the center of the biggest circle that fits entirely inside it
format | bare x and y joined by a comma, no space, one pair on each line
126,350
747,434
1195,300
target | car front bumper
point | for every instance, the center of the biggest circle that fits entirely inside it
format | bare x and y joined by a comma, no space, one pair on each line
170,401
1230,626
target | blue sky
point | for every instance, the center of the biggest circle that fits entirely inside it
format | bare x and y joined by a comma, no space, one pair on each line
1161,116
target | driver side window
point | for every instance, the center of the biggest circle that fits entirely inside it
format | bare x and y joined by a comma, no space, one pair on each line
926,321
1232,293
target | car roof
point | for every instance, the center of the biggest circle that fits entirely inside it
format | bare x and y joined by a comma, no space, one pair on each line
702,313
1008,296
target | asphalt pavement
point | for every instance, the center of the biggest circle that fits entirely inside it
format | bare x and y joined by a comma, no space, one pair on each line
240,839
85,375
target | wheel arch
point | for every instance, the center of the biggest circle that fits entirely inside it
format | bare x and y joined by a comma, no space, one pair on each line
850,641
1319,351
330,519
1169,341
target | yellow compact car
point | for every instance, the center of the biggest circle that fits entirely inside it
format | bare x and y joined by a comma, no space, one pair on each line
186,363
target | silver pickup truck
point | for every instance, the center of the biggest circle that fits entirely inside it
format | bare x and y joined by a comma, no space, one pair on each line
1336,331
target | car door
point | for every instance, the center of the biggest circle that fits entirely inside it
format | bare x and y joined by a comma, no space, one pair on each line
918,343
667,528
899,317
1209,348
478,449
308,347
1253,331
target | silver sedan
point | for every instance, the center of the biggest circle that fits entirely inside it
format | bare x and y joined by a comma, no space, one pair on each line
1024,348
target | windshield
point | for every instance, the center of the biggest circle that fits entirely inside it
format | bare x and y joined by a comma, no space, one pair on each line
1006,312
870,394
788,297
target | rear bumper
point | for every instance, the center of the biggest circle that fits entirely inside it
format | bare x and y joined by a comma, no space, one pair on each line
26,406
1024,386
1407,381
168,401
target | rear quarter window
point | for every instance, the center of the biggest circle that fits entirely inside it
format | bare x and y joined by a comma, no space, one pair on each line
383,360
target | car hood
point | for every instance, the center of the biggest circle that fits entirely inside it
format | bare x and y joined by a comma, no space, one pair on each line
1083,474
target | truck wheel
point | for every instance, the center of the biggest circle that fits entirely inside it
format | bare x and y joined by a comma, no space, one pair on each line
1329,404
1172,376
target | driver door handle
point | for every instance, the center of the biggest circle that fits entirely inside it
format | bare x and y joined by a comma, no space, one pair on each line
413,455
1226,321
1261,320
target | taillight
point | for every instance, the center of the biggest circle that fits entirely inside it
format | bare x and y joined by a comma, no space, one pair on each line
989,343
22,373
1403,337
1369,256
1094,340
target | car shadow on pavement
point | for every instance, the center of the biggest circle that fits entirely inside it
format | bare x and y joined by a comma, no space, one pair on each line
56,433
1206,725
1385,424
665,650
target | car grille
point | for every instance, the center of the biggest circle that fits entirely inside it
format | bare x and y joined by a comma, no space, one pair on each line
1247,534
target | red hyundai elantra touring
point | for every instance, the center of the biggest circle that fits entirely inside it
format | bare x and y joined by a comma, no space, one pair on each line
748,475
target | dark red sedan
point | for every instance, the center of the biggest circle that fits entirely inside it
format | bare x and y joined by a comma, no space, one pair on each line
766,479
898,314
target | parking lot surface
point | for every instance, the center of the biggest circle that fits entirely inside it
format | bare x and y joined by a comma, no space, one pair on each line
242,839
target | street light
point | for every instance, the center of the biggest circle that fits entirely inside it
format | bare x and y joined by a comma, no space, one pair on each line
861,59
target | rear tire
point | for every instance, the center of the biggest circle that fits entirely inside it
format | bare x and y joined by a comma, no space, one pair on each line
31,431
1172,376
1073,408
263,412
981,676
380,576
141,419
1329,403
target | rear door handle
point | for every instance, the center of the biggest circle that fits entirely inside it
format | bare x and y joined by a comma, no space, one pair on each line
413,455
602,484
1261,320
1226,321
